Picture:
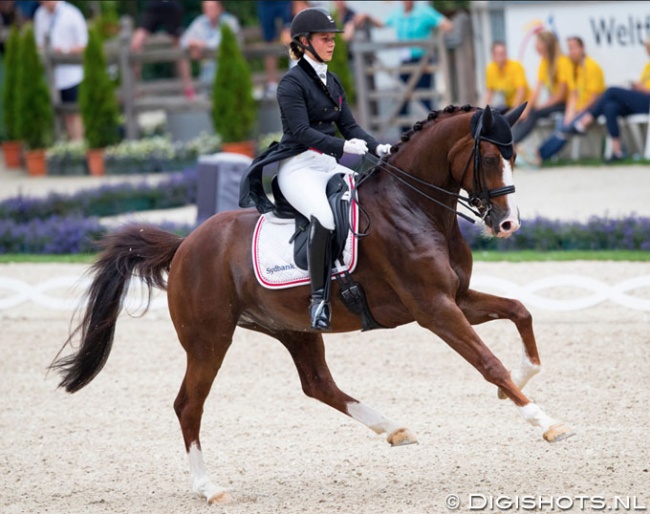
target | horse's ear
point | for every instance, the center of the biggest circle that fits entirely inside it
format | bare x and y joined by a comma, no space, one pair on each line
488,120
513,115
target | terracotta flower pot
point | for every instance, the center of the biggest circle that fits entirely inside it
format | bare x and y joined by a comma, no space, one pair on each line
96,161
241,147
12,153
36,163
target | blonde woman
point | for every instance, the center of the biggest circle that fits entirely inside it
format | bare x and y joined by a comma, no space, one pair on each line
554,77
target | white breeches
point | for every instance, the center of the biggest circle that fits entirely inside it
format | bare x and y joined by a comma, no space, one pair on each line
303,179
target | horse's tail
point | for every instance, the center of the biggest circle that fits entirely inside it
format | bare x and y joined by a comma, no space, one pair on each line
135,250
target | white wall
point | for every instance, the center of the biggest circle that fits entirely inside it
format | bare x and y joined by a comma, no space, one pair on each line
613,33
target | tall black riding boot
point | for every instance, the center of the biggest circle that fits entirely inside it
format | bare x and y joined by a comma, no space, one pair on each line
319,260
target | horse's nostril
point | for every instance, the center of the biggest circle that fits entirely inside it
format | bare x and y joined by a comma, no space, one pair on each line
506,226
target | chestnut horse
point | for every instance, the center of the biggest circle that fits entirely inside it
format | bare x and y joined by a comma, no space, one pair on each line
414,266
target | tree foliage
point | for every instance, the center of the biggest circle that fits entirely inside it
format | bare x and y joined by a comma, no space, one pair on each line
233,105
11,83
34,113
97,101
340,66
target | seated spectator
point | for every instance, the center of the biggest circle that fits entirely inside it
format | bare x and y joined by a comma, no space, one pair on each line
505,80
554,75
67,31
615,102
166,15
272,14
204,33
588,85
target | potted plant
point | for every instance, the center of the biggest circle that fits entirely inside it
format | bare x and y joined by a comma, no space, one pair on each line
340,66
11,147
233,106
97,103
34,113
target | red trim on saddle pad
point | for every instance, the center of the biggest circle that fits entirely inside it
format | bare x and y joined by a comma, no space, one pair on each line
288,275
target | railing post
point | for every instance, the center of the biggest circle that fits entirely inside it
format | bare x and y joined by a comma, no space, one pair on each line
127,78
55,96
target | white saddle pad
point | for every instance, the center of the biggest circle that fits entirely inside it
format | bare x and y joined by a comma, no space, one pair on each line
273,260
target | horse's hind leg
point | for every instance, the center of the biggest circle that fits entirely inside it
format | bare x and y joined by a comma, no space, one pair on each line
205,353
308,353
481,307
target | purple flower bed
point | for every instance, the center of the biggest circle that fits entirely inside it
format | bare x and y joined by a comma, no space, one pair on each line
178,190
67,224
544,235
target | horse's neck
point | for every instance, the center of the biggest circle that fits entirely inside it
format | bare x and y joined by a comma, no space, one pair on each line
390,196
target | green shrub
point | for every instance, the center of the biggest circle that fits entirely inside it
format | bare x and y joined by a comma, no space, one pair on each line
233,105
97,101
340,66
34,116
11,83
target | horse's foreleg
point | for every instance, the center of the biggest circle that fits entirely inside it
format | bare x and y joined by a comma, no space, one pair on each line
203,362
480,308
308,353
451,325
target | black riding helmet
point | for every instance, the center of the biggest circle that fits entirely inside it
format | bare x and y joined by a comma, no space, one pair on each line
311,21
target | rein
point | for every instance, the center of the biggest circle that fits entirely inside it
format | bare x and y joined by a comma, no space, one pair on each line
480,196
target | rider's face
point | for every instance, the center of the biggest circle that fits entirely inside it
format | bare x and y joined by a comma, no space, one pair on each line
323,43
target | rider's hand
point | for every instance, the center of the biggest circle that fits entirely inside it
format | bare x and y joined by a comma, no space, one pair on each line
383,150
355,147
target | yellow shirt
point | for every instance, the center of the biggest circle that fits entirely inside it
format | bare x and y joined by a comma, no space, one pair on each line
645,76
506,80
563,75
589,80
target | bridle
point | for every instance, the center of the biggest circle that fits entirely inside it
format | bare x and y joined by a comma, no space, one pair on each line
478,202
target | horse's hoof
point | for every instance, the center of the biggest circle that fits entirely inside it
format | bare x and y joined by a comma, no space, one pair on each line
558,432
221,498
401,437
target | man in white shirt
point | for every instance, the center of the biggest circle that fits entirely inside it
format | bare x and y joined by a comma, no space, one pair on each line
67,31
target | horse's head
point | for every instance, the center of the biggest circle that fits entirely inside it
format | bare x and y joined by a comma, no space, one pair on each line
487,174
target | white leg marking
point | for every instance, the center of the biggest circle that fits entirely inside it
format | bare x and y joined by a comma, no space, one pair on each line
534,415
526,371
373,419
201,482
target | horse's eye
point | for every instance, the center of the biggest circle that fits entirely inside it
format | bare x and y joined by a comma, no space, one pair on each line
491,161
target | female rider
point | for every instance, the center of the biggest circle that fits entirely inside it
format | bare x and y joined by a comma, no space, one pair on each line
312,105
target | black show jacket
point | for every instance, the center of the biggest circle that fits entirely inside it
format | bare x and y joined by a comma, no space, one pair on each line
311,113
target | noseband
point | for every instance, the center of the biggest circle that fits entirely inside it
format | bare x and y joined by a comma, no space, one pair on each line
480,197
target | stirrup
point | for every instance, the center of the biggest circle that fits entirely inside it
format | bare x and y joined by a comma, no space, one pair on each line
319,313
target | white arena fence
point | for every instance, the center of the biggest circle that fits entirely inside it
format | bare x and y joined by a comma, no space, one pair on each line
66,293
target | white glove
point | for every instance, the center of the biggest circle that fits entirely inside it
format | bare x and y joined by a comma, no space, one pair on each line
355,147
383,150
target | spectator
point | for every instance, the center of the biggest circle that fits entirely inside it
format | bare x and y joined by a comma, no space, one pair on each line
26,10
554,75
168,15
415,21
589,84
615,102
349,19
271,14
65,28
505,80
204,33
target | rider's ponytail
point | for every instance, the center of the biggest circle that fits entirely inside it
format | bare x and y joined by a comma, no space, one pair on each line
296,51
